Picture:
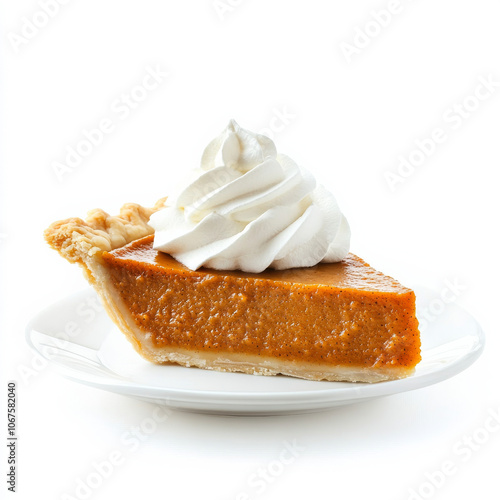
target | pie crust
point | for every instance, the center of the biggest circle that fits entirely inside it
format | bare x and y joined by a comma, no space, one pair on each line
91,243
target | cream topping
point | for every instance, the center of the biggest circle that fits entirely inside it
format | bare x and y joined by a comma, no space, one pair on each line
250,208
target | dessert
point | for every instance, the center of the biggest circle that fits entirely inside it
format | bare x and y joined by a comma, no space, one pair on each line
246,269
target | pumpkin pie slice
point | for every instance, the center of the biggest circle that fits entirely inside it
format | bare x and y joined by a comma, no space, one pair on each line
341,321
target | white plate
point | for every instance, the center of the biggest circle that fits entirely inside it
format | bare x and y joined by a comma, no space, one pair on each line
79,339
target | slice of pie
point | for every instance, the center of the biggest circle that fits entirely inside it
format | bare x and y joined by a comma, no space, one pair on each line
333,321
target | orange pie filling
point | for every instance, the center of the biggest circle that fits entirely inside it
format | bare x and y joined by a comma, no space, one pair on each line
336,319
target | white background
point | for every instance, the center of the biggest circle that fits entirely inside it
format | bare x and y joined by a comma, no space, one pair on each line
252,60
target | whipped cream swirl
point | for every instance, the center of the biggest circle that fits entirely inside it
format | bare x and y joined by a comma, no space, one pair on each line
250,208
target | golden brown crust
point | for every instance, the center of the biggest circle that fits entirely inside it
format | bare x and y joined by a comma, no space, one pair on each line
268,366
83,242
78,240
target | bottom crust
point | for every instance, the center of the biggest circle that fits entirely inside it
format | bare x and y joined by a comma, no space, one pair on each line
260,365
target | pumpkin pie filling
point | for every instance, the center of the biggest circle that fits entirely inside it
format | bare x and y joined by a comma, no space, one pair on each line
334,314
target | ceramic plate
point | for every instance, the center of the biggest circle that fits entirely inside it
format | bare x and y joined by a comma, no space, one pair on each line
79,340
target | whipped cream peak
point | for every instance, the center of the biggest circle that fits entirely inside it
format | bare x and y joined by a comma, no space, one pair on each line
250,208
237,148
